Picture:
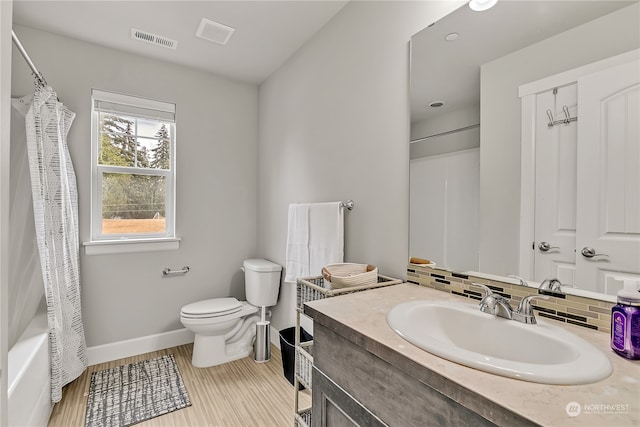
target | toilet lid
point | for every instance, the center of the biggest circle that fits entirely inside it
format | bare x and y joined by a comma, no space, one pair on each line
212,307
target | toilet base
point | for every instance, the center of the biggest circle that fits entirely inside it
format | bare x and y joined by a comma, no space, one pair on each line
211,351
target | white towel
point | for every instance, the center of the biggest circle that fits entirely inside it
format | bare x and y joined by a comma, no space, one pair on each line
326,236
297,259
315,238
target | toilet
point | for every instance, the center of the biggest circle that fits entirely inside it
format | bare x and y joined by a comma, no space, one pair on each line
225,327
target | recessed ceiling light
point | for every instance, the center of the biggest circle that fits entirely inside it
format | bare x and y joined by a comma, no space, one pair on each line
451,37
480,5
436,104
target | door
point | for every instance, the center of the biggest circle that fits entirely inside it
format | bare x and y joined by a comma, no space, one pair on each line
608,207
555,202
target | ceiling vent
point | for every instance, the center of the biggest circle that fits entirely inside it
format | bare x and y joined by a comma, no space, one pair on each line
214,31
155,39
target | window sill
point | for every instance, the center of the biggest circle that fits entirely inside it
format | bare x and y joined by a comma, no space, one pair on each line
106,247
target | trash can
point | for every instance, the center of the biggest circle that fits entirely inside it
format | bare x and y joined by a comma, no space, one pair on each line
288,349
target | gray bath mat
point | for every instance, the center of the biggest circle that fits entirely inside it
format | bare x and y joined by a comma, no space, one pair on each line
136,392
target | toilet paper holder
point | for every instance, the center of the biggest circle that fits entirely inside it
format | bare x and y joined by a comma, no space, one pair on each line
167,271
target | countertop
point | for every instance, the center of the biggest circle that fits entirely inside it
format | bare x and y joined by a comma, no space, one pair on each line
614,401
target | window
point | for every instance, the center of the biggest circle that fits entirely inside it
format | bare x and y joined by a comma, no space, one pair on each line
133,165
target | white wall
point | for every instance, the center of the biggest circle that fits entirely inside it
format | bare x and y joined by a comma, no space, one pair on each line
125,296
500,117
334,125
465,116
448,143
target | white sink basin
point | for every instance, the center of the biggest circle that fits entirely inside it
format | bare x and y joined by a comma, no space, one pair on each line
461,333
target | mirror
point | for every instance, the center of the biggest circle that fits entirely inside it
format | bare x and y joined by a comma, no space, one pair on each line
465,173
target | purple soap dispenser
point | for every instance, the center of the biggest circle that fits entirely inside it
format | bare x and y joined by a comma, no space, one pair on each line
625,321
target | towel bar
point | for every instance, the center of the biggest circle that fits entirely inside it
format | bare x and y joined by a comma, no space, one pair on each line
348,204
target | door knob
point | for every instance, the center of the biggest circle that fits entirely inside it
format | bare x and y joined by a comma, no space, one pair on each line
590,253
545,246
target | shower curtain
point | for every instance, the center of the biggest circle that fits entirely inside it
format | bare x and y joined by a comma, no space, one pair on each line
26,289
55,208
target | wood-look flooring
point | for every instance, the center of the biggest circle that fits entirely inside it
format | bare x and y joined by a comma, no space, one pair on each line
236,394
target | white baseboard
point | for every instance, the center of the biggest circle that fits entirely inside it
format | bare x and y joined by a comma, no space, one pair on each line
133,347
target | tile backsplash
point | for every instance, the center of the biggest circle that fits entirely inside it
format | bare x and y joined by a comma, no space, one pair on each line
586,312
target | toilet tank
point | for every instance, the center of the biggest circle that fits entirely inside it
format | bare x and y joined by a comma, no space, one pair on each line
261,282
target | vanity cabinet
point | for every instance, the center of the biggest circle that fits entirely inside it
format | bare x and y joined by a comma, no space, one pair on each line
353,386
335,407
366,373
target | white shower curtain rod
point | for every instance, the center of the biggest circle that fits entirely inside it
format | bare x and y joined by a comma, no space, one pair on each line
38,76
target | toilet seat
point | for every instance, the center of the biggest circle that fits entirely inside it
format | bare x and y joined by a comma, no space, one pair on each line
216,307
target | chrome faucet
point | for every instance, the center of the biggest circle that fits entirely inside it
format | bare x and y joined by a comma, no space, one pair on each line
553,285
493,303
498,305
525,309
522,281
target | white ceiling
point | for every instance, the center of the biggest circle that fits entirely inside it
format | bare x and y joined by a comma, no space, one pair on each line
266,33
450,71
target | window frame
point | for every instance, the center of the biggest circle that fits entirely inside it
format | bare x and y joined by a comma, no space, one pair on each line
140,108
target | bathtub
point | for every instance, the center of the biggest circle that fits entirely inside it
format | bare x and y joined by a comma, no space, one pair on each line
29,384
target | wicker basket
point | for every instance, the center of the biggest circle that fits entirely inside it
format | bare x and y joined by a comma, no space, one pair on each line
338,276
